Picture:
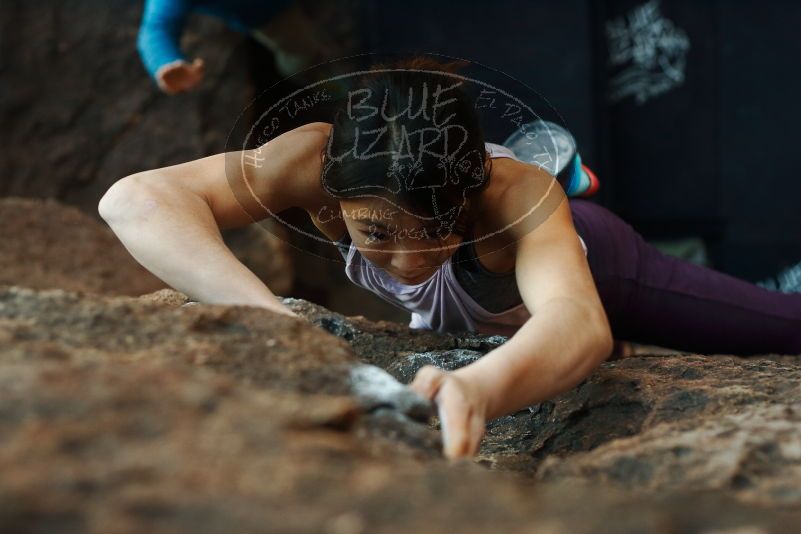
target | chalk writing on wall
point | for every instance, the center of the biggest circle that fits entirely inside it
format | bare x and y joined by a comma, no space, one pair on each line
647,54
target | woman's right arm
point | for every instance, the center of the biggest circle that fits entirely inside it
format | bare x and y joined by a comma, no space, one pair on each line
169,219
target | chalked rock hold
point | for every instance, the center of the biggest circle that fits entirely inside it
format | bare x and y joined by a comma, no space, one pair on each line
553,148
377,389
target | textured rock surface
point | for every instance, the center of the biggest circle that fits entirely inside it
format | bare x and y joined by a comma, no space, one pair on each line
137,414
654,424
694,423
251,344
47,245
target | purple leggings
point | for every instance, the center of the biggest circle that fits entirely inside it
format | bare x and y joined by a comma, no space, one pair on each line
653,298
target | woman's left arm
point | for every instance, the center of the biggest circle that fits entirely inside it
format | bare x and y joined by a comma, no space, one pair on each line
566,338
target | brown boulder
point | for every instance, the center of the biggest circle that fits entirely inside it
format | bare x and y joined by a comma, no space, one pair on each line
47,245
129,415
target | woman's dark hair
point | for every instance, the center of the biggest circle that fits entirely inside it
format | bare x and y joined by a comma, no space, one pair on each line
409,133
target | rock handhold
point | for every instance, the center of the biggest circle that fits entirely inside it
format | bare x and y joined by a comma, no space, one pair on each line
375,388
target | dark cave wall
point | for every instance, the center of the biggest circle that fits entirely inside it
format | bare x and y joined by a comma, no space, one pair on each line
79,111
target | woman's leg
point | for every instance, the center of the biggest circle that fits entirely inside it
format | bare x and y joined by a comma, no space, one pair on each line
651,297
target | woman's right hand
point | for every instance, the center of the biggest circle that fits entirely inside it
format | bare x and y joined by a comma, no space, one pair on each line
179,76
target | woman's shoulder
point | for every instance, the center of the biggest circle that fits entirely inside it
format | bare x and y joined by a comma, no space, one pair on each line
307,143
515,193
310,141
323,128
320,206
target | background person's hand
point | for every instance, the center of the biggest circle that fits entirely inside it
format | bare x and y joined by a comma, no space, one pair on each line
462,409
179,76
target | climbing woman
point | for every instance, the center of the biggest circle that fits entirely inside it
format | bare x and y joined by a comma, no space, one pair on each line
456,230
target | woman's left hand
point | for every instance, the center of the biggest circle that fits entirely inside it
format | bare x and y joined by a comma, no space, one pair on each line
462,408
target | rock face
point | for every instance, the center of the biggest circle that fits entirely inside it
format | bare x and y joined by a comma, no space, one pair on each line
711,423
82,109
47,245
123,414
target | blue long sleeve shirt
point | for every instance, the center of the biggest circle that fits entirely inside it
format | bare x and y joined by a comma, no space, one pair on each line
163,22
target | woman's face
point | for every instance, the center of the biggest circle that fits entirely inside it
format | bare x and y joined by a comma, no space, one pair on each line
402,244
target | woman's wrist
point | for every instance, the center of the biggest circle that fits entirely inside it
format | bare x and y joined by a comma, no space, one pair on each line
510,378
489,382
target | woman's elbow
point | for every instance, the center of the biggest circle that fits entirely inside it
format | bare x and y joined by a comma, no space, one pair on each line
594,348
119,198
603,342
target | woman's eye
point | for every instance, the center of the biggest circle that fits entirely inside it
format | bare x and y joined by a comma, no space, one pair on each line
375,236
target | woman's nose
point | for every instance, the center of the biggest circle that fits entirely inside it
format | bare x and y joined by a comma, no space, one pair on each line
408,261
